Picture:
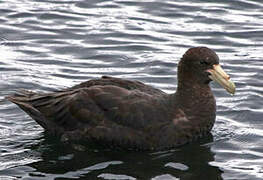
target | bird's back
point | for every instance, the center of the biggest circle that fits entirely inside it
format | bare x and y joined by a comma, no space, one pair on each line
106,108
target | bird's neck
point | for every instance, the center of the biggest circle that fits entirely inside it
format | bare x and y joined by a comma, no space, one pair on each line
192,90
197,104
192,94
195,100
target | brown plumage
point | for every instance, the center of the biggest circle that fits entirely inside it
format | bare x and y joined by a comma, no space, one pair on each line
130,114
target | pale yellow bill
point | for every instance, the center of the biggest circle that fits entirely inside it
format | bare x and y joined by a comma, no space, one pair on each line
219,75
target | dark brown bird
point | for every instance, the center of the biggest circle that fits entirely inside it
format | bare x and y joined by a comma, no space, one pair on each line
129,114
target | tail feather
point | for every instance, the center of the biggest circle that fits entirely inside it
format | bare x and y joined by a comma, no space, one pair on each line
49,110
22,99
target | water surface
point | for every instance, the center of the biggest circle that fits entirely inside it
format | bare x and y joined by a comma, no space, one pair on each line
48,45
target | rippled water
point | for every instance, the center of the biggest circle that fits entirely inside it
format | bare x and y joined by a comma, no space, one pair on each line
48,45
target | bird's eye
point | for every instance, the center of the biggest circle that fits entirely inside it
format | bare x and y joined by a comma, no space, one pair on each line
204,63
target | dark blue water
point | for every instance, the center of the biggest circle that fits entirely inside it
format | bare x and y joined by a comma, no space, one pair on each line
48,45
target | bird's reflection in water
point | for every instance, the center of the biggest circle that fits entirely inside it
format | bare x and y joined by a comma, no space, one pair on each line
64,162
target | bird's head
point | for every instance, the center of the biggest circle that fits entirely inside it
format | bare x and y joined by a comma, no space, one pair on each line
201,64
